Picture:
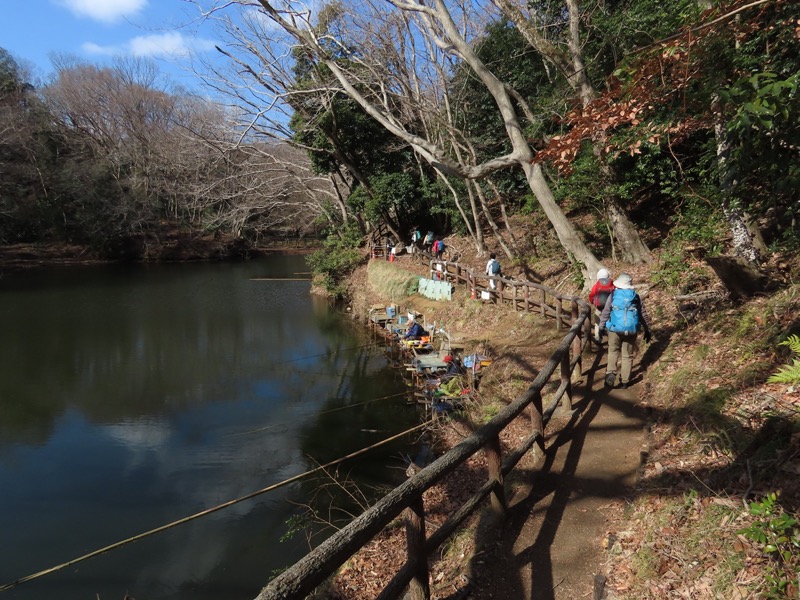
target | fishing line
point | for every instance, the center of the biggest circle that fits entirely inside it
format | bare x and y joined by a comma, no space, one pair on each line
329,353
325,412
205,512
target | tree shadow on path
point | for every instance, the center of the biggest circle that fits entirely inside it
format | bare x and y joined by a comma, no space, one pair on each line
540,552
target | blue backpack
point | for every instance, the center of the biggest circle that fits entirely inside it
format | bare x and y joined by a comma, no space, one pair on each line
495,267
624,315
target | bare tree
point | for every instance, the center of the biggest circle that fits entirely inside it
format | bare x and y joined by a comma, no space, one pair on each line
565,54
355,57
181,160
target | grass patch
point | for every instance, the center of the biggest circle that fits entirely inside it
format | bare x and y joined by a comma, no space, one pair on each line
487,412
391,282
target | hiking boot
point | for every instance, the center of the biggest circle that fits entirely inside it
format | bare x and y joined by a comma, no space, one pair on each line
610,379
623,385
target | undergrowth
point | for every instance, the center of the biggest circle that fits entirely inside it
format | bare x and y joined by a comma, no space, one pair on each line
719,519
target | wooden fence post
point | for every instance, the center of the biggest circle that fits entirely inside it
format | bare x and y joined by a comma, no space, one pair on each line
494,461
576,343
537,427
526,293
559,309
544,304
419,588
566,399
587,330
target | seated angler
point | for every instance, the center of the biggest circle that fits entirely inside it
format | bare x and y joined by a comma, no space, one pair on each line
415,331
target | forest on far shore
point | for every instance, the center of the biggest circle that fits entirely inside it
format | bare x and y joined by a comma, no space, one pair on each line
625,130
109,160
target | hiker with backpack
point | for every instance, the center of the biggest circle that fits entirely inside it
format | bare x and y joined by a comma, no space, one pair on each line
623,315
427,243
598,295
601,290
438,248
493,269
416,237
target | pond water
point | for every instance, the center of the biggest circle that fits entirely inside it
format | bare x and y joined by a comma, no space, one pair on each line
131,397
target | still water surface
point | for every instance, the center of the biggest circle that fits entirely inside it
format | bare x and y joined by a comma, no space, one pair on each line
134,396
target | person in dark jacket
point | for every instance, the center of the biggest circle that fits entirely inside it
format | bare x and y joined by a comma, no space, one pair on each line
623,315
414,332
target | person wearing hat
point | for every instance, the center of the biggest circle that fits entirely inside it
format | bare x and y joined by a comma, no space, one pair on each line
598,295
623,315
601,289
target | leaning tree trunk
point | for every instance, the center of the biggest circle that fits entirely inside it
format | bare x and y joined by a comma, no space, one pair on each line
566,233
474,232
630,244
492,224
506,221
628,241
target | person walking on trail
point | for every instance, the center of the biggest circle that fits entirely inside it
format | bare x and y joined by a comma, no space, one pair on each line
416,236
438,248
427,243
493,270
598,295
623,315
601,290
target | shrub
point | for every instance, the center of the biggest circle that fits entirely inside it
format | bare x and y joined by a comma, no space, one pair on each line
789,373
337,259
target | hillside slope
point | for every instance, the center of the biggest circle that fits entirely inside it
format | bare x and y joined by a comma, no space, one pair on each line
720,437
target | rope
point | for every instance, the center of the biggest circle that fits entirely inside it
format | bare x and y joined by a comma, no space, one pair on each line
205,512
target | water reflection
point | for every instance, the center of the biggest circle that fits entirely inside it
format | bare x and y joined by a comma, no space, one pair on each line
131,397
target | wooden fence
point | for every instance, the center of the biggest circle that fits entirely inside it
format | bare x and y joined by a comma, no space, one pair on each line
522,295
304,576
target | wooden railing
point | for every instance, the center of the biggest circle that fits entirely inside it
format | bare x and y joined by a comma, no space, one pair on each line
522,295
304,576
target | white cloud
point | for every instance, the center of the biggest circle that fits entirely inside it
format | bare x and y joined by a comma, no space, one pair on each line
107,11
160,45
167,44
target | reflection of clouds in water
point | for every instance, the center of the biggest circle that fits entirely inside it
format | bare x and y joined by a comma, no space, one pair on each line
204,550
139,435
204,471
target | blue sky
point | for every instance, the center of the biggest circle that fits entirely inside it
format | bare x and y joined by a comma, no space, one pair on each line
95,30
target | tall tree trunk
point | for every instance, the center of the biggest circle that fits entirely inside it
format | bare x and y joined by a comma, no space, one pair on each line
487,213
566,233
631,247
743,245
474,232
506,220
571,66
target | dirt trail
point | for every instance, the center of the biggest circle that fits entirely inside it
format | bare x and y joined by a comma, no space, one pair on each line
553,542
554,539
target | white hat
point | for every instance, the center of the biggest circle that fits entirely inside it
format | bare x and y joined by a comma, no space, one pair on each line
603,274
624,282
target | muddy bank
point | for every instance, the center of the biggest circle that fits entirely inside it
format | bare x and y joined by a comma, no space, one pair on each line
172,248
